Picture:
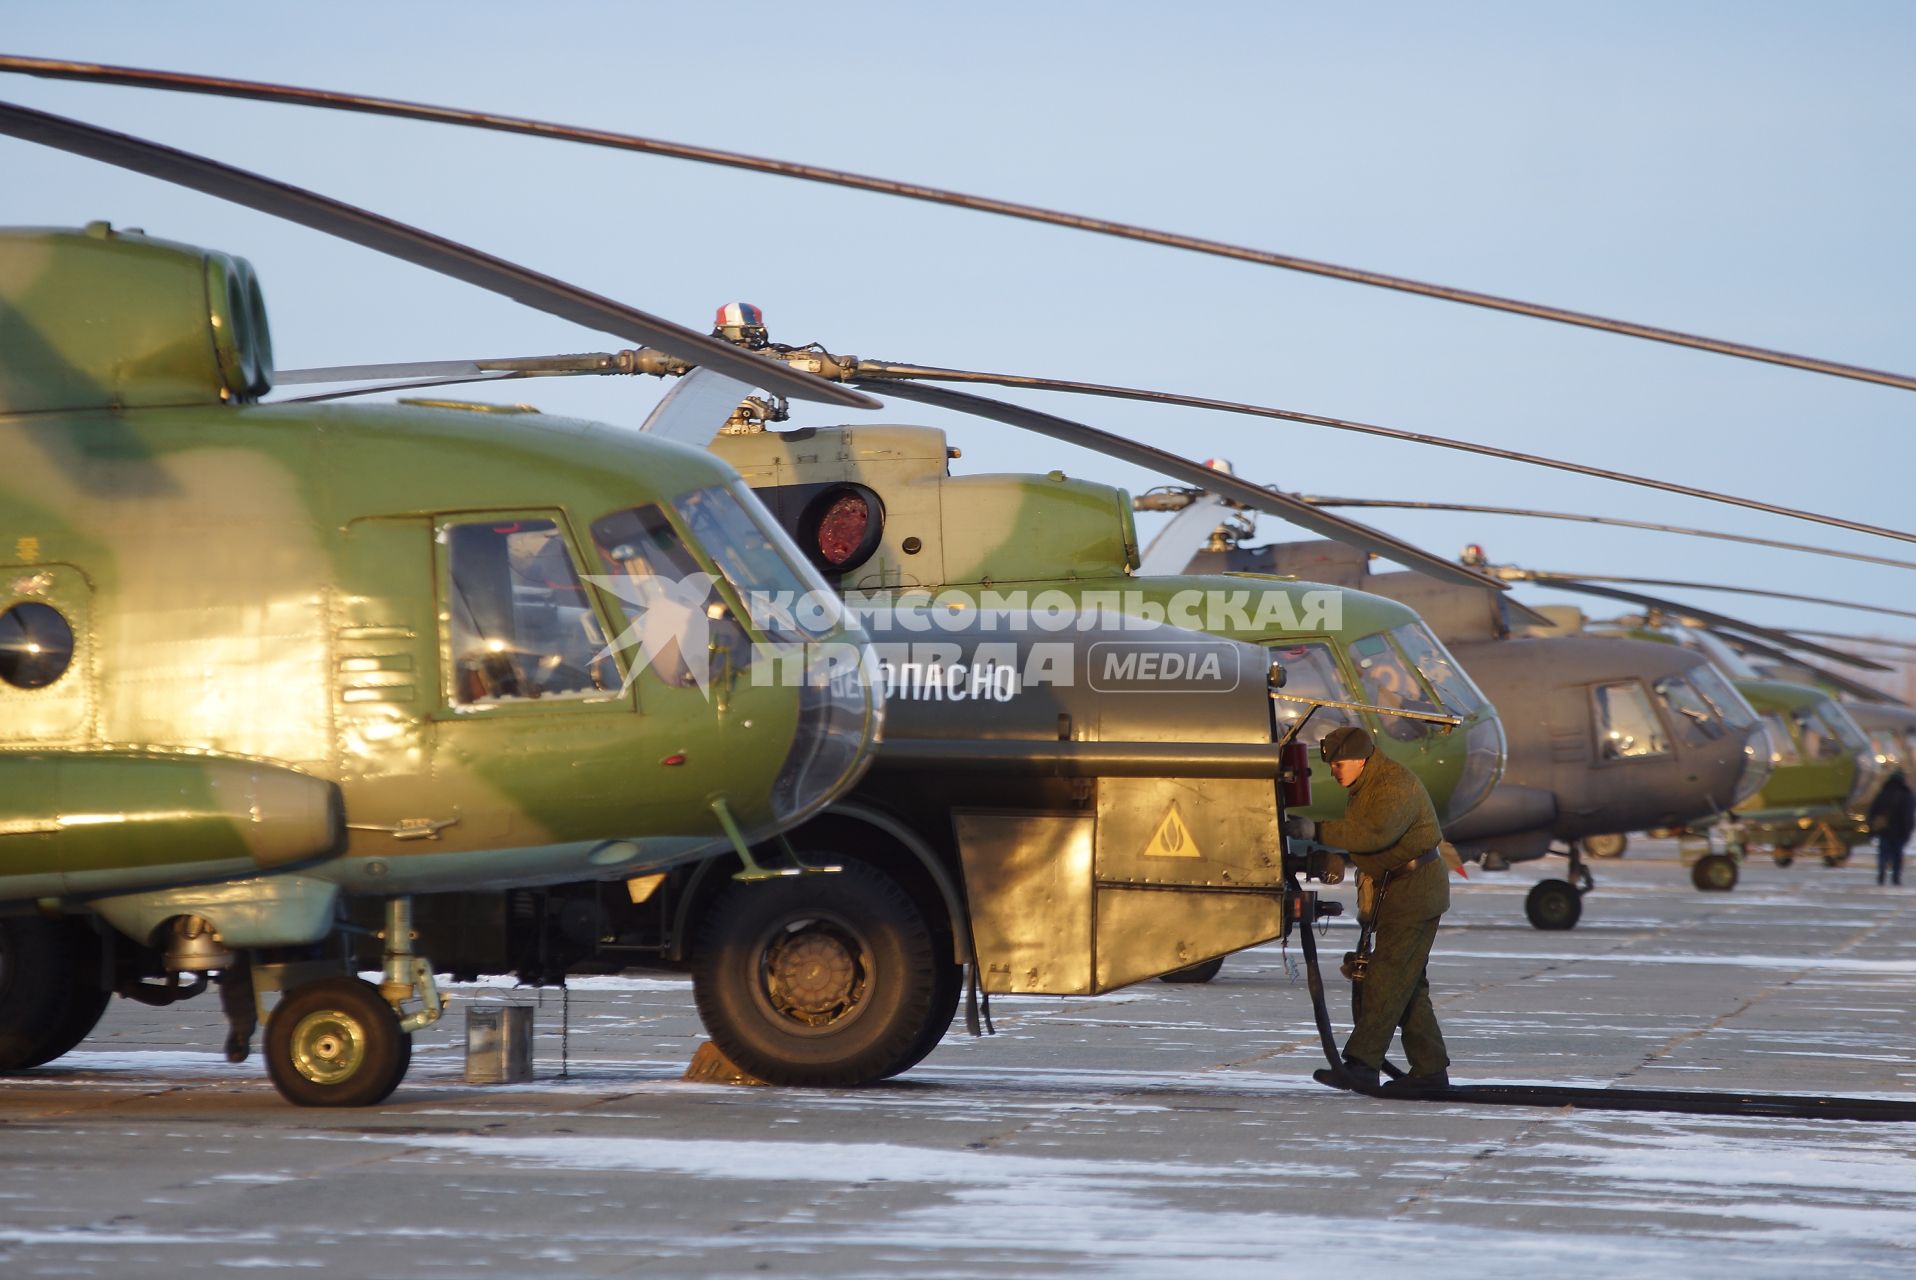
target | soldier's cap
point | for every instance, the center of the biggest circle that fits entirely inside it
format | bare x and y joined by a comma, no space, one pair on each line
1346,744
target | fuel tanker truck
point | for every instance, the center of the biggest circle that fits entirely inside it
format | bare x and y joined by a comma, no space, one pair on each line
1059,806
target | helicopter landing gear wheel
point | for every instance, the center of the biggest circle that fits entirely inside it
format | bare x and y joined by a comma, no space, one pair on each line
821,980
336,1043
1714,873
50,990
1553,905
1202,971
1606,846
1782,857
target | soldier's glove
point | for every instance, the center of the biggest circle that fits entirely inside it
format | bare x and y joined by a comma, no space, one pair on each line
1300,828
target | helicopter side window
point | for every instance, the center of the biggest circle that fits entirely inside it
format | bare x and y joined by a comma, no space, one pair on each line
1390,683
522,625
1782,741
1627,725
1690,707
36,645
1310,671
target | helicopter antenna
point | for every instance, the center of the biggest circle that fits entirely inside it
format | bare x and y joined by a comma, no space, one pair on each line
876,374
1617,521
99,73
421,248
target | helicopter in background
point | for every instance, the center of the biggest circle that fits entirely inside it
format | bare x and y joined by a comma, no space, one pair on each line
1607,734
258,660
1825,767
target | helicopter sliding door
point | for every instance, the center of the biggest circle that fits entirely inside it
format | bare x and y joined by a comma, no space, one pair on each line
531,706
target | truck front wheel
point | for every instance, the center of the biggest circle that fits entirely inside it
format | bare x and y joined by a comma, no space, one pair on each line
821,980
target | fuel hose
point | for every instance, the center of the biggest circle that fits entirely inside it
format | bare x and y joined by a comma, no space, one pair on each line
1696,1102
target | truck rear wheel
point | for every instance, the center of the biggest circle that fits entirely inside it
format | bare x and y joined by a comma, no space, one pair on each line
51,995
1202,971
822,980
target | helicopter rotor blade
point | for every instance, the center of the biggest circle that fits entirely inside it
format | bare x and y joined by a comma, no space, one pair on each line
879,373
696,407
1713,586
1837,681
1887,642
1713,619
1184,536
97,73
421,248
1390,504
1193,472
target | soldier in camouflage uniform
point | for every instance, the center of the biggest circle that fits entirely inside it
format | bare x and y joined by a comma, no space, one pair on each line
1389,829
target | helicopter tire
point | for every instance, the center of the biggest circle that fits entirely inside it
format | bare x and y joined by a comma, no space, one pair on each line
51,996
1783,857
1553,905
336,1043
821,980
1611,845
1714,873
1201,972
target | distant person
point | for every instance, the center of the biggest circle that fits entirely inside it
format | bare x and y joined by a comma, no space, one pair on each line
1389,829
1892,815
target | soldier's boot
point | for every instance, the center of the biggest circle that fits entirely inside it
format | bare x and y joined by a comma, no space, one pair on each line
1416,1084
1355,1075
238,1004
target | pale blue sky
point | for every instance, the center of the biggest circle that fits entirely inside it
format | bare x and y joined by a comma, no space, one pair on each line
1738,169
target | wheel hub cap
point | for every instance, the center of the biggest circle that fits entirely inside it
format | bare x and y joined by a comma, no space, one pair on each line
812,975
328,1046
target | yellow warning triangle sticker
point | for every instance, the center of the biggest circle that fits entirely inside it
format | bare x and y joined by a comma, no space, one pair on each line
1172,839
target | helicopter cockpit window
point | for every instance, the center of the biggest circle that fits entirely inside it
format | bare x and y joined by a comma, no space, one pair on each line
1310,671
1820,741
1389,682
667,598
783,594
1689,706
522,625
1844,726
1627,725
36,645
1722,695
1429,656
1782,744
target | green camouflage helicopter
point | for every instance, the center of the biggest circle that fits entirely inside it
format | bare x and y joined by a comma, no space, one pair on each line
257,659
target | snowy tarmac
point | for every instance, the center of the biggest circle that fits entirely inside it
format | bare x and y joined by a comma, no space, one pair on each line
1162,1131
